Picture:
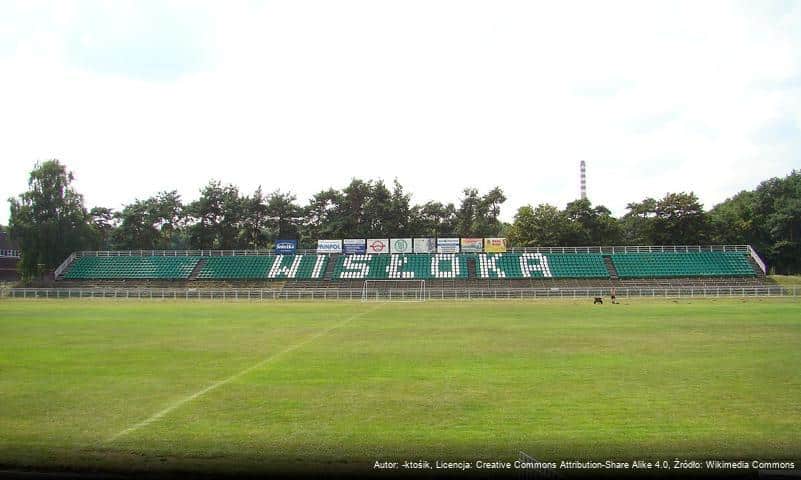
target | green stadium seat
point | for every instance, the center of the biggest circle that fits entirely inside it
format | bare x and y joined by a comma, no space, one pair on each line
235,267
132,267
420,266
539,265
214,268
415,266
682,264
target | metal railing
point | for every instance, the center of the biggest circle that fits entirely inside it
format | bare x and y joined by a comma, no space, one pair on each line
586,249
66,263
757,259
10,253
400,293
635,249
183,253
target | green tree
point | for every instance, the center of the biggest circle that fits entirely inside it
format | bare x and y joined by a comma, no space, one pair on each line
215,219
151,224
136,230
321,217
285,215
490,209
432,219
377,211
582,222
777,215
255,228
49,220
167,214
399,214
354,210
680,220
637,224
477,215
732,221
541,226
468,212
591,225
103,223
491,204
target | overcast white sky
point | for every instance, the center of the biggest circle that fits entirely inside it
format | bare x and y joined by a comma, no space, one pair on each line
137,97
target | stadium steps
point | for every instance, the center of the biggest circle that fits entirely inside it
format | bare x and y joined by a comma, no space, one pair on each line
66,269
303,284
473,283
610,267
472,272
329,269
262,284
195,271
758,271
690,282
195,284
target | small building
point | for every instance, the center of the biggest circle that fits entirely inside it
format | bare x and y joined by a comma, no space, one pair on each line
9,257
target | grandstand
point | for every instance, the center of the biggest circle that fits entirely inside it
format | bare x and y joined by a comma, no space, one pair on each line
195,267
592,270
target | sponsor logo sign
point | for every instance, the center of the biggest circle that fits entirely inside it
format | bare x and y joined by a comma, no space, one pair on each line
494,245
472,244
329,246
286,247
447,245
400,245
425,245
377,245
354,246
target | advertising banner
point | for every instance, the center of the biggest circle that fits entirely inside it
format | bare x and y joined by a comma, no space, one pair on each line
425,245
400,245
354,246
474,245
494,245
447,245
377,245
329,246
286,247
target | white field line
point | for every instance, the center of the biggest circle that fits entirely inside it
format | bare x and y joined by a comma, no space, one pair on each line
214,386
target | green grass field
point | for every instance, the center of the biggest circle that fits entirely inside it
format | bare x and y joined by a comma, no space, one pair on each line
177,386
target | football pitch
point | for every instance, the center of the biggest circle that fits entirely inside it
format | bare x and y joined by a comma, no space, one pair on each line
250,386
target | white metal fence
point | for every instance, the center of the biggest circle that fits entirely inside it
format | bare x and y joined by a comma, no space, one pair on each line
400,293
584,249
9,253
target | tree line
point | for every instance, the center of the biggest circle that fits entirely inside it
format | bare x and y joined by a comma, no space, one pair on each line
50,219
